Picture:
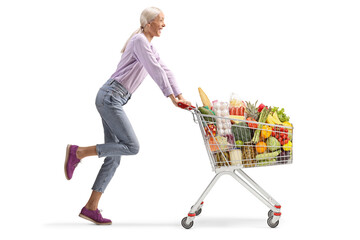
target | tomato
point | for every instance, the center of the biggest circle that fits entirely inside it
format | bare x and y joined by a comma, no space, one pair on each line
273,134
252,125
282,142
282,129
286,130
286,141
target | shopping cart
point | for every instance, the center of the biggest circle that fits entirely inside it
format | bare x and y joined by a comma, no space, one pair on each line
228,156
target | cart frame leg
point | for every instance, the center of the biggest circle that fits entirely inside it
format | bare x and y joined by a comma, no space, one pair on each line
259,193
198,204
260,190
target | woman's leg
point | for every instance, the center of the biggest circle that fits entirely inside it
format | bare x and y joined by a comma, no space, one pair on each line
120,139
83,152
106,172
93,202
110,164
114,116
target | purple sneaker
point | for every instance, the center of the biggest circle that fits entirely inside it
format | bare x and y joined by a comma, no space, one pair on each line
94,216
71,161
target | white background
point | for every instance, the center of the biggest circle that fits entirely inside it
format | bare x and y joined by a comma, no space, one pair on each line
300,55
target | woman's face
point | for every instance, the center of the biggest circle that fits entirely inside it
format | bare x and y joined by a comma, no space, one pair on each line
157,25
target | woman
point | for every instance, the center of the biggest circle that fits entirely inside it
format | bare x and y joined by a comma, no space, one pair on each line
139,58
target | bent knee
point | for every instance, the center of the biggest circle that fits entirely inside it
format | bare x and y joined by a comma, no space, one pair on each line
134,148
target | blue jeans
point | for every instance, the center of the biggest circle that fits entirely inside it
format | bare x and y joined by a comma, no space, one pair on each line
120,138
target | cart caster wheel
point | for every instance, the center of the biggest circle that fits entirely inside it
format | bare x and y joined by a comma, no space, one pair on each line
270,213
198,212
187,226
272,225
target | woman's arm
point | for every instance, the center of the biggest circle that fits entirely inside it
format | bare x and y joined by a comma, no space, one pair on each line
144,54
170,75
158,71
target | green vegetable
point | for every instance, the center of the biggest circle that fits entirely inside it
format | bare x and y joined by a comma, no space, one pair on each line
241,132
281,114
205,111
273,144
239,143
209,109
265,156
266,162
263,116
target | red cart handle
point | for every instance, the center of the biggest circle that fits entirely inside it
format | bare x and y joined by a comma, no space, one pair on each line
185,106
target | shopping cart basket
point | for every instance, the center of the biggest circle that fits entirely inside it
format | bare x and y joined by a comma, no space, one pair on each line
228,156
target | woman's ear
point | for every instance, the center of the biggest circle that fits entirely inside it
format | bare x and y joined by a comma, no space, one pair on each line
146,26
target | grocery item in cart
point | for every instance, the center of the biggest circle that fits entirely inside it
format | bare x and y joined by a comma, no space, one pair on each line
283,157
222,158
252,111
206,111
221,110
204,98
241,132
235,101
236,157
234,119
210,130
261,147
273,144
213,144
248,154
237,107
222,142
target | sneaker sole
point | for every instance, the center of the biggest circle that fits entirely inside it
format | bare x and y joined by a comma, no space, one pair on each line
66,160
91,220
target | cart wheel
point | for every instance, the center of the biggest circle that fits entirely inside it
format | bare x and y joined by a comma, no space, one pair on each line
198,212
272,225
187,226
270,213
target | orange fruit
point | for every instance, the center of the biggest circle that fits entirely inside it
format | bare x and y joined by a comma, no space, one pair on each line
261,147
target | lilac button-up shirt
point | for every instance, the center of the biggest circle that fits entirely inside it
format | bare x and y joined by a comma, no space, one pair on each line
139,59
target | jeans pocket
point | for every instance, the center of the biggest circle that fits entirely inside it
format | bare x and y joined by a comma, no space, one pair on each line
113,97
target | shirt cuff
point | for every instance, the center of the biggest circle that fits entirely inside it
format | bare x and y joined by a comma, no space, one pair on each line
177,92
167,91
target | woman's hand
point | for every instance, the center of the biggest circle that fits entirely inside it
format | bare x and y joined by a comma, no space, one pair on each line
179,99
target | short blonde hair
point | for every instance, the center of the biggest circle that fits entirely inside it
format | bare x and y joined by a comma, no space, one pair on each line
147,16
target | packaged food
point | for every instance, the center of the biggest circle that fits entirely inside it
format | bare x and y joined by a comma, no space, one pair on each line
223,124
248,154
213,144
222,158
236,157
235,101
222,142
